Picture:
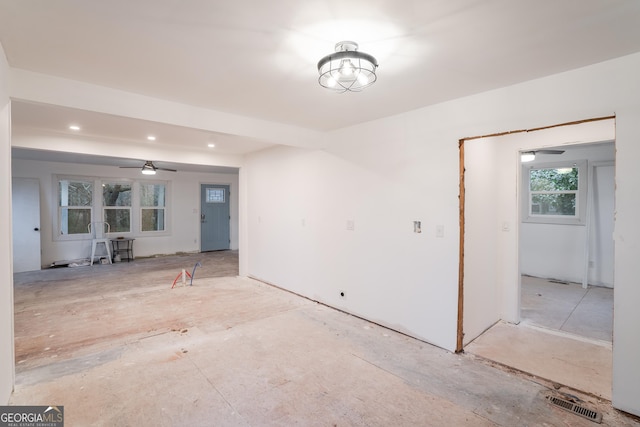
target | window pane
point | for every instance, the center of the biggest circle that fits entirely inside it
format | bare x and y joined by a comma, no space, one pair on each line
119,220
152,195
553,204
74,221
554,179
116,194
215,195
75,193
152,219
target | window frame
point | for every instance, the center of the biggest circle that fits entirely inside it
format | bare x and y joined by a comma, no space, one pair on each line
129,208
165,208
57,228
97,207
581,194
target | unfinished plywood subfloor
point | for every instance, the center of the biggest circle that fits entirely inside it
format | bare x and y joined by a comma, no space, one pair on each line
124,349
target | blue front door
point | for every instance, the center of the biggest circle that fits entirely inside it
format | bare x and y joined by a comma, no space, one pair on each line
214,217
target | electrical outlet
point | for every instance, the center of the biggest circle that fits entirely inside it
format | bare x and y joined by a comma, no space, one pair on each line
351,225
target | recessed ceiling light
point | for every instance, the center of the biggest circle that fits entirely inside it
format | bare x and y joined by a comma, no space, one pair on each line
211,145
151,138
74,127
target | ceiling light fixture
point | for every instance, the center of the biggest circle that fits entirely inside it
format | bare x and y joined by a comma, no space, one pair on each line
211,145
347,70
151,138
74,127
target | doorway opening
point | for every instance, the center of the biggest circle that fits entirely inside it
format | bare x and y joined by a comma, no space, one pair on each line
566,241
495,268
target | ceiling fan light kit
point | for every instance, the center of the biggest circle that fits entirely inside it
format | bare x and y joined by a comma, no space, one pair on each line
529,156
148,169
347,69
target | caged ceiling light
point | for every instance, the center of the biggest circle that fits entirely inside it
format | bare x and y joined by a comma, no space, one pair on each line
347,70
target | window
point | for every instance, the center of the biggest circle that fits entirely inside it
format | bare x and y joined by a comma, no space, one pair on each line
75,201
152,207
116,206
555,193
215,195
130,207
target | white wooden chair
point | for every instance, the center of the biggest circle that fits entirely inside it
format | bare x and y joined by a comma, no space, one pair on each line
97,231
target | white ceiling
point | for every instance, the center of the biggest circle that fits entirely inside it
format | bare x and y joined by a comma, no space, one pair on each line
258,58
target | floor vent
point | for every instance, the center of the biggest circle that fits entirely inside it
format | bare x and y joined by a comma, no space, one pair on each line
560,282
567,405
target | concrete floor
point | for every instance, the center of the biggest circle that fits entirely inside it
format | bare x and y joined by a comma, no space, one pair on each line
117,347
568,307
565,336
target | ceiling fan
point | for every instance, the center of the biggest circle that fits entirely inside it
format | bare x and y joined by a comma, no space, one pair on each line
149,168
528,156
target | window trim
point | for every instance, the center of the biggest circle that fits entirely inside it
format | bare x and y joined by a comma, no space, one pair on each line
165,208
97,207
57,213
104,208
581,194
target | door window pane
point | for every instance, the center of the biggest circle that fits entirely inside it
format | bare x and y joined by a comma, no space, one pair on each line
215,195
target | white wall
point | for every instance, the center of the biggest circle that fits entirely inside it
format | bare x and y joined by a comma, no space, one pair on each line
299,205
387,173
556,251
183,216
6,267
483,254
626,316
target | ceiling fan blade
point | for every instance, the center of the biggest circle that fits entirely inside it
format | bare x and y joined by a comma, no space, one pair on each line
129,167
164,169
550,151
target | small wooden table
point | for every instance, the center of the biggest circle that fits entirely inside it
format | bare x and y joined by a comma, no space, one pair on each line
121,246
